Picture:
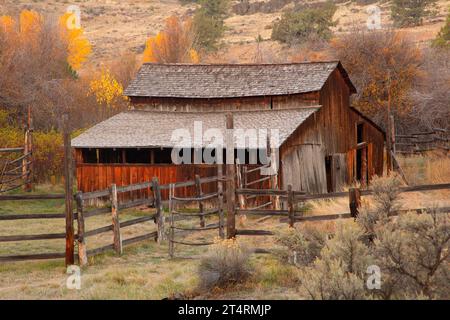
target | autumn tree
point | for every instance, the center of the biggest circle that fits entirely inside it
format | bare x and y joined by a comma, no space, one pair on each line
37,56
108,93
173,44
77,45
383,65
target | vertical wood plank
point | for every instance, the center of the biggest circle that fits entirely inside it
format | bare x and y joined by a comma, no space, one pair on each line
354,197
68,181
290,201
199,193
117,237
82,252
230,171
220,202
159,209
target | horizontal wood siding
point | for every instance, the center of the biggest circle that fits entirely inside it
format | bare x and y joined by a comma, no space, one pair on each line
93,177
229,104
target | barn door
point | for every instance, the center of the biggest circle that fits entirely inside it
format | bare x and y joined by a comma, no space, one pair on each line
360,164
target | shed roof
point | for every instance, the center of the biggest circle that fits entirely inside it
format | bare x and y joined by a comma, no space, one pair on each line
144,129
231,80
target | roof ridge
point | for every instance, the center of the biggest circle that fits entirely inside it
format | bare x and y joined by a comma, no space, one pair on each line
318,106
239,64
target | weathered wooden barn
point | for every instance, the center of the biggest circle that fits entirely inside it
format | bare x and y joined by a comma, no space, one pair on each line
324,142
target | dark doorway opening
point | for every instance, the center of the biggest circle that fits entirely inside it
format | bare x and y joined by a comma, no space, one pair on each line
329,173
360,133
358,164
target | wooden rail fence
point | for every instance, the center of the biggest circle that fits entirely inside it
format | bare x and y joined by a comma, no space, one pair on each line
200,198
292,198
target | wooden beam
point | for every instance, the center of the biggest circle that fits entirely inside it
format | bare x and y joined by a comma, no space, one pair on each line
199,193
354,196
68,184
117,237
82,252
230,172
159,209
290,204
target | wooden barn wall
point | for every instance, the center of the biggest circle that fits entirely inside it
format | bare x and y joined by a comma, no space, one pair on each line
93,177
333,131
228,104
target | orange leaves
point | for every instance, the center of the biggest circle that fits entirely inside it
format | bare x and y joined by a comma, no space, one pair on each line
31,30
172,44
7,24
78,47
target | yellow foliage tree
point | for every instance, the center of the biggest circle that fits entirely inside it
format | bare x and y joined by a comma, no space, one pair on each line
78,47
7,24
107,91
30,32
173,44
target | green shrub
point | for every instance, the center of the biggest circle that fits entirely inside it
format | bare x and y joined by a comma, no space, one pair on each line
407,13
443,38
209,23
299,26
227,263
303,246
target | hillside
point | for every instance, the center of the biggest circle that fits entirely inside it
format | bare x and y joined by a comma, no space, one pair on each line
114,26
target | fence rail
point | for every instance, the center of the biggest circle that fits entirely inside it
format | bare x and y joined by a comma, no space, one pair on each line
292,216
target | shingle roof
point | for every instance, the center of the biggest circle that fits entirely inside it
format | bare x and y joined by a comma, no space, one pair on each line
231,80
137,128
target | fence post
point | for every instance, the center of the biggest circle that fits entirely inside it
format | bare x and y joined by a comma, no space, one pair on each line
354,197
290,203
159,209
68,183
230,191
220,198
171,231
115,220
198,189
82,252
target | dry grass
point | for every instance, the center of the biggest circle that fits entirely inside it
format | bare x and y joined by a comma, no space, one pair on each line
144,271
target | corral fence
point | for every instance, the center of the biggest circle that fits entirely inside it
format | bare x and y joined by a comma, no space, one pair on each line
295,199
150,196
33,216
177,211
419,142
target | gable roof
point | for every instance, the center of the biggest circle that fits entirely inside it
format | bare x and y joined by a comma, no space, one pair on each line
231,80
144,129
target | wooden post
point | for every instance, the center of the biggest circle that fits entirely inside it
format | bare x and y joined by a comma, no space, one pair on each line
230,172
220,202
68,184
27,164
115,220
24,161
290,204
364,167
392,136
241,197
159,209
171,231
198,190
354,197
82,252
